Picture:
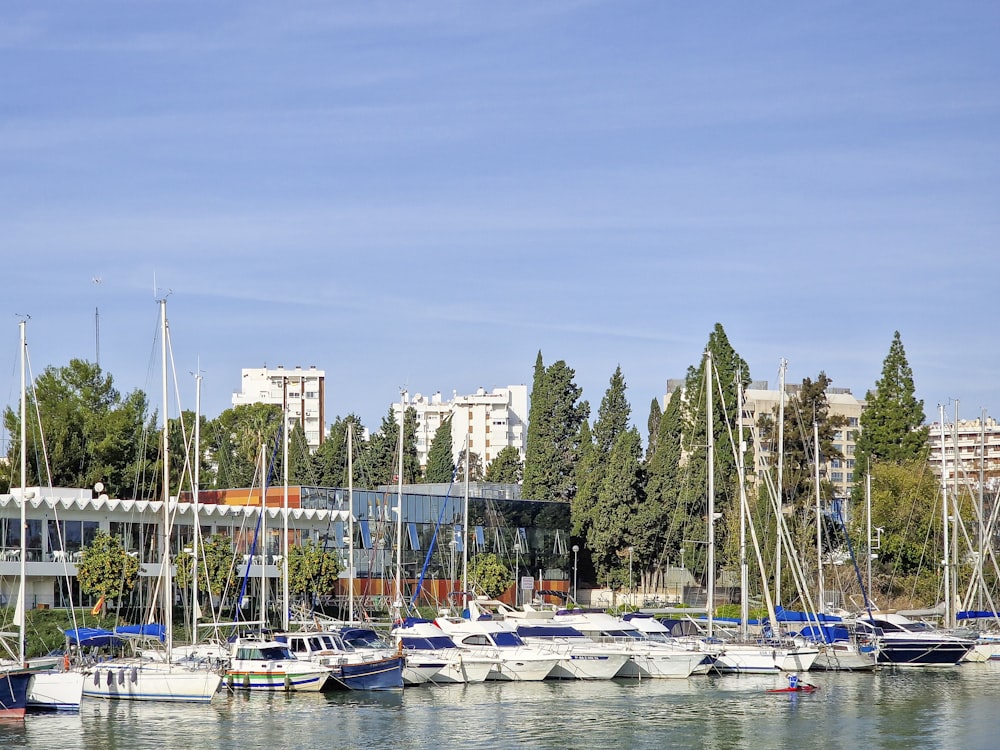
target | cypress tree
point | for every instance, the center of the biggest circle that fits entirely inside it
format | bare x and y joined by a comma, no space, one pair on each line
892,424
536,458
440,464
506,467
553,433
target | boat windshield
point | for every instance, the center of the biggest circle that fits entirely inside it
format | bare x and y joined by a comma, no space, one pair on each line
264,653
364,639
507,639
431,643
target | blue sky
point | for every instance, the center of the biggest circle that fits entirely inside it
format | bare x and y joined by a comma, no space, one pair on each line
424,195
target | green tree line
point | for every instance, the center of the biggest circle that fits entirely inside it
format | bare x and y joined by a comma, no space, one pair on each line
633,506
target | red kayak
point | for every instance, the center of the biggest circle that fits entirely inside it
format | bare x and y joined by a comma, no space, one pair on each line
797,689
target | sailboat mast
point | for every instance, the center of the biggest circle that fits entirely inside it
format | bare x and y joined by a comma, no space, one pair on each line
982,522
350,521
399,511
781,471
952,593
741,474
465,525
711,490
284,521
819,521
944,522
263,532
868,516
196,534
22,589
165,533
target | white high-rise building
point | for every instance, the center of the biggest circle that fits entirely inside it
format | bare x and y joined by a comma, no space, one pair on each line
491,421
301,393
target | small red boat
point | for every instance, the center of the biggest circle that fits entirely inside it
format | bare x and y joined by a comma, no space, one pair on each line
803,688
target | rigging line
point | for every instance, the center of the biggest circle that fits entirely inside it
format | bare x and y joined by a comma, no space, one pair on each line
48,479
866,596
265,483
437,526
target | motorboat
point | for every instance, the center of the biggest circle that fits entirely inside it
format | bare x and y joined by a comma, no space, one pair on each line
358,659
423,641
499,642
264,665
902,642
647,658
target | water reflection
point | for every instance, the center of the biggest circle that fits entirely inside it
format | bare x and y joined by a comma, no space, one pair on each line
951,708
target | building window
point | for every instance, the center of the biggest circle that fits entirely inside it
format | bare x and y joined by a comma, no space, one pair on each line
835,463
837,476
852,421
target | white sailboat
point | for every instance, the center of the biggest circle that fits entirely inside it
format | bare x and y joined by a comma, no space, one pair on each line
141,678
741,653
52,687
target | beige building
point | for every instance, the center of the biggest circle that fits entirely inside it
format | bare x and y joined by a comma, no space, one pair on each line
970,447
301,394
491,421
759,400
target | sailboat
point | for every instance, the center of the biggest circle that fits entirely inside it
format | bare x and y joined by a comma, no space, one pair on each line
743,654
47,689
142,678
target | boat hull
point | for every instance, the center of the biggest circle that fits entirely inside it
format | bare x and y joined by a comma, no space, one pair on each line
55,691
277,680
374,674
149,682
921,652
14,693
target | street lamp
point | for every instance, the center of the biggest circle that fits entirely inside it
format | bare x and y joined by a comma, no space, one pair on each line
576,549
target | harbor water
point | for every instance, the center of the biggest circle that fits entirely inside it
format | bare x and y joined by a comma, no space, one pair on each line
946,708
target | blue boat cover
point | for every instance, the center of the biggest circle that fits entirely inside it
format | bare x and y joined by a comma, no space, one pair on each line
977,615
95,637
152,629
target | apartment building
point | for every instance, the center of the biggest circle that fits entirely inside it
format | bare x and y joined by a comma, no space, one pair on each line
760,400
490,421
300,393
968,449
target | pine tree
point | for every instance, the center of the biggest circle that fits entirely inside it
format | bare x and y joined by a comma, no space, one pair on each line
659,524
612,421
613,414
553,433
892,424
537,448
730,373
440,464
587,483
506,467
618,500
330,459
301,470
653,427
381,456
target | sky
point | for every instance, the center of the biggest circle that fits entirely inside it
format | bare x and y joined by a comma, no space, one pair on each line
423,196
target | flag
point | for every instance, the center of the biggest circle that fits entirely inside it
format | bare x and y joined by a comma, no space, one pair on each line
98,607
